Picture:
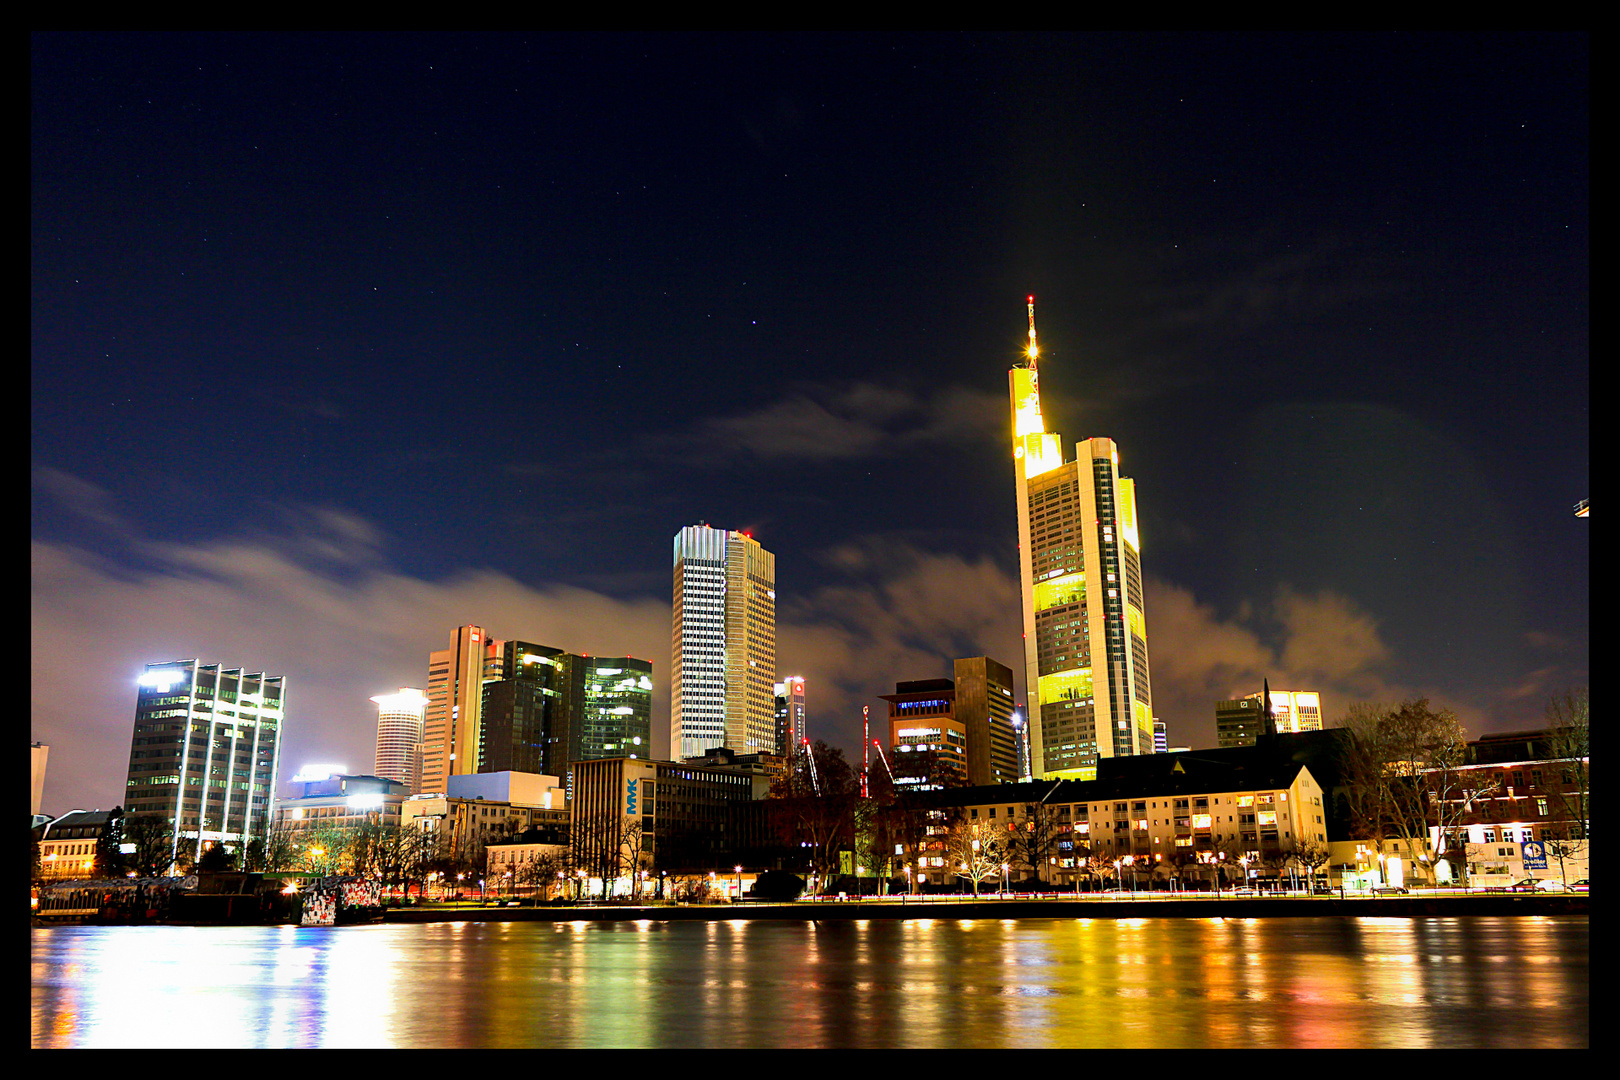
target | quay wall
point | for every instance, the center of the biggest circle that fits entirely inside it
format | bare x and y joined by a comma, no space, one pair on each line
1199,908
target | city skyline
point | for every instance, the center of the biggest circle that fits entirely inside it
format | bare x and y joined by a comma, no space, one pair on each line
496,315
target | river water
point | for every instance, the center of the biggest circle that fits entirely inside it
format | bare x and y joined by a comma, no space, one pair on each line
1274,982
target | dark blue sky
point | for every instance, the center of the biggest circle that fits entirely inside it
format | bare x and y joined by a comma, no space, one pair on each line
340,340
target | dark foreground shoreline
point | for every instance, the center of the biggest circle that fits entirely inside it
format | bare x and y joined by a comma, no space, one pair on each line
1196,908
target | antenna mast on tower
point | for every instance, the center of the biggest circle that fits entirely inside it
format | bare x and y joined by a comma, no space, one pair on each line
1034,351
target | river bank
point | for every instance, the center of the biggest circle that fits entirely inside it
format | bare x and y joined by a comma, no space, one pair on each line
1022,908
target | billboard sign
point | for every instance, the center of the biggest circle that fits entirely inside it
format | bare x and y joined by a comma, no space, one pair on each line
1535,855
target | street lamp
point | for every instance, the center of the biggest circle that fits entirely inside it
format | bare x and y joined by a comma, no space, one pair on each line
739,882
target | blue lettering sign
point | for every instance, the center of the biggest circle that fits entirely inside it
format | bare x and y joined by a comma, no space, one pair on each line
1535,856
630,800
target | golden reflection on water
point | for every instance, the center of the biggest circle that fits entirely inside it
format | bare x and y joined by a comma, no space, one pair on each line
915,983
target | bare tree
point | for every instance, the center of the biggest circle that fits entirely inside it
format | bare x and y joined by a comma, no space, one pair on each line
634,858
1570,746
978,849
1394,752
814,805
1031,842
1311,854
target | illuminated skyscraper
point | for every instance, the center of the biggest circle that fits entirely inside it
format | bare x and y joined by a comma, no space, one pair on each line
550,709
1079,557
723,667
205,750
790,730
1241,721
452,724
399,735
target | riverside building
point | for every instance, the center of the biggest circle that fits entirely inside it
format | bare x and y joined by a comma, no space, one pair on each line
1079,556
205,750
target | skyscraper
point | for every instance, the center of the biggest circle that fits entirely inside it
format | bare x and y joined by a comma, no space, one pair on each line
515,706
1085,641
723,667
399,735
205,749
1241,721
984,707
790,729
452,723
617,708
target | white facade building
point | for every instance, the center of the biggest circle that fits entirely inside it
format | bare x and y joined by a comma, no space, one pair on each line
399,736
723,664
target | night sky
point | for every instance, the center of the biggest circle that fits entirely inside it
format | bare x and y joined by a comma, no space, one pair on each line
341,341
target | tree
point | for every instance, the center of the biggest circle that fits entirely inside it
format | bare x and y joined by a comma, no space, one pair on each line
153,839
778,885
1393,753
542,872
1030,843
110,858
324,850
1570,745
1311,854
814,807
634,857
217,858
978,849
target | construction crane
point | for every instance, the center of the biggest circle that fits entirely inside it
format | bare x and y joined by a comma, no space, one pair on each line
815,781
885,761
866,766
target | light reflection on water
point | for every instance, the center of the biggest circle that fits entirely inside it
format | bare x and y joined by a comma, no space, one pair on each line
919,983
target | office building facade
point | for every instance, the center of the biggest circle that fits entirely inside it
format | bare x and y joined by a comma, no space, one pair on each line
723,654
1241,721
205,750
984,709
928,745
551,708
1085,637
452,725
399,736
790,717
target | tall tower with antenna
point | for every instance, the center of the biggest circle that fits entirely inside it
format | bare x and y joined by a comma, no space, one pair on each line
1080,572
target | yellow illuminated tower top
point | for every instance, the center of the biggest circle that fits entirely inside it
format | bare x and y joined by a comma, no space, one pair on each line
1079,562
1035,449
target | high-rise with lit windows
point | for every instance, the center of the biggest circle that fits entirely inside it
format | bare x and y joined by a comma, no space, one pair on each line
1079,555
1241,721
452,725
723,652
205,750
399,735
790,717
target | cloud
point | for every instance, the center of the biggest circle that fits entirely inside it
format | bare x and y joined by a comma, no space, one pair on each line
1322,642
284,607
858,420
80,497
